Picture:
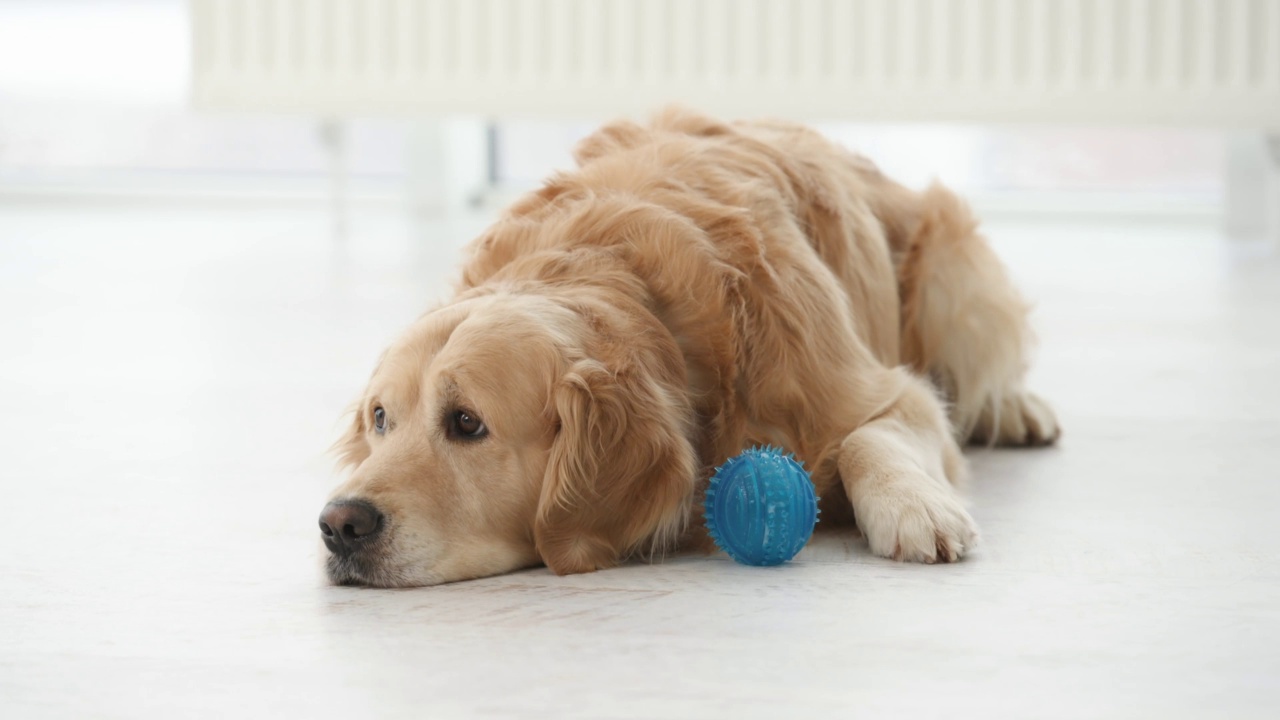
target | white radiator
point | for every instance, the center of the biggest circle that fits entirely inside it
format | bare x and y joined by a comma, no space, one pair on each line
1167,61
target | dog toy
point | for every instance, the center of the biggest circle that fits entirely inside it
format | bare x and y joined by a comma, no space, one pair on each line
761,507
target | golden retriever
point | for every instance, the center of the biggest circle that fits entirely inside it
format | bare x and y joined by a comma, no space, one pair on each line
692,289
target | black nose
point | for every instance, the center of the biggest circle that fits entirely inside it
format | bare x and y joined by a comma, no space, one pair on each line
348,524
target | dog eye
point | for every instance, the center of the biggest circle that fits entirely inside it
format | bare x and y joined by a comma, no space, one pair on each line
379,420
466,426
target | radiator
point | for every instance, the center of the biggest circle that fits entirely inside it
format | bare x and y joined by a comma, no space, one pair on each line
1209,62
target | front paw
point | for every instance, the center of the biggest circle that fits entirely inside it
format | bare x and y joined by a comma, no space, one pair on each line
916,519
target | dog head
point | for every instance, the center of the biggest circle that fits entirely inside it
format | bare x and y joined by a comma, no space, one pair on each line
510,429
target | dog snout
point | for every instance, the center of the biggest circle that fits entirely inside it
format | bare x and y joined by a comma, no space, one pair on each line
348,525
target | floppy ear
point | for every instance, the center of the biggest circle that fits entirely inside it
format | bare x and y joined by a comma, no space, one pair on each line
352,448
621,472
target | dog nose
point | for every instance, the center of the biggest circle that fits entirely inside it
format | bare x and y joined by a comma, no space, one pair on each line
348,524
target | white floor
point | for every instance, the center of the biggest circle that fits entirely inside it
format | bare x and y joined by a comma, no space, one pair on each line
170,380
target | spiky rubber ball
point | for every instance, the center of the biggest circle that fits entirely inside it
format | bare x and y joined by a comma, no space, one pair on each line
761,507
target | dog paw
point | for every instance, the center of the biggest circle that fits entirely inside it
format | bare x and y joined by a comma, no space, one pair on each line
1024,420
916,520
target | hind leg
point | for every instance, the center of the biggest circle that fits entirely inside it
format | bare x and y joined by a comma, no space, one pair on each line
1023,419
965,327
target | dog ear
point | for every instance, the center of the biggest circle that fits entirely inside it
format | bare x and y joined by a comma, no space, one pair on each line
352,448
621,471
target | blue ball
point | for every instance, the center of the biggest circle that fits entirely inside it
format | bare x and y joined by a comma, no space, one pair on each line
761,507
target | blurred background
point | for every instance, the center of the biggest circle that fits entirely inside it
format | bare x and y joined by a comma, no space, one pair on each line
1126,106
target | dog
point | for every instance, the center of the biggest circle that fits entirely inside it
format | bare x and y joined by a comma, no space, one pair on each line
692,289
